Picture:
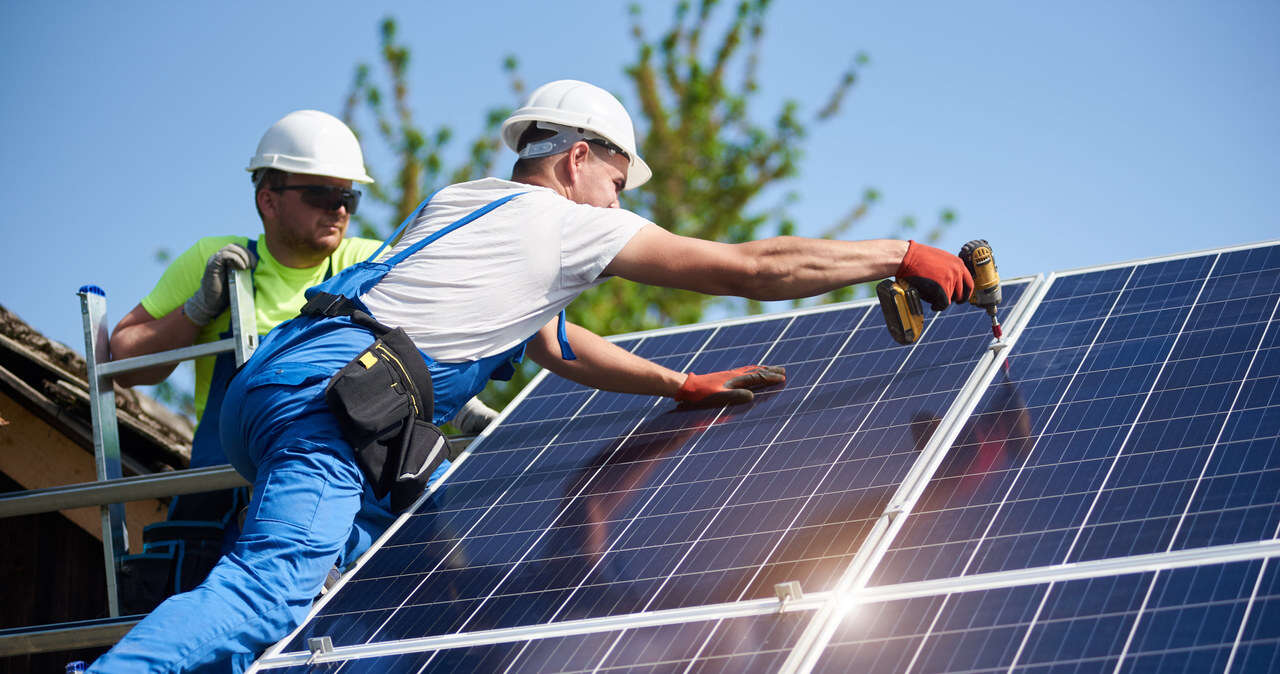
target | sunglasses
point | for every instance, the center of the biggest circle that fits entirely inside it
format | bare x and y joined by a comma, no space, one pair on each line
325,197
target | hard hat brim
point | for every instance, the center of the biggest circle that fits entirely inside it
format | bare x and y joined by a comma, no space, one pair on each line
304,167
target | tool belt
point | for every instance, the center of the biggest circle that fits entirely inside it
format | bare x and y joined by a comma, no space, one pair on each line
384,404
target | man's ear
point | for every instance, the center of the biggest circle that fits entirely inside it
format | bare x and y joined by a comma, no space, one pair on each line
576,159
267,203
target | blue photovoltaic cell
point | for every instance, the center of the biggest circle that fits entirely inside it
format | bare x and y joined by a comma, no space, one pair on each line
730,646
1194,620
1137,414
585,504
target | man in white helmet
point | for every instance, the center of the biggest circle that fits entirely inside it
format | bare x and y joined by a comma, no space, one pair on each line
303,174
480,279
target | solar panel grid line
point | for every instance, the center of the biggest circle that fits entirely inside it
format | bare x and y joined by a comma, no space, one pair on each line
1173,538
1119,452
351,572
1072,571
1043,291
825,622
541,631
654,494
529,549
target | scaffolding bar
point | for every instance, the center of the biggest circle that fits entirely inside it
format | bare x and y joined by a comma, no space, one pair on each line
136,488
65,636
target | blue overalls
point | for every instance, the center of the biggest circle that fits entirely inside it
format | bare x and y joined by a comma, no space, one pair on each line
311,506
180,551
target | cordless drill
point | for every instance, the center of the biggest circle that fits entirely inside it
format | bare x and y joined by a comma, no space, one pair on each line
986,279
900,302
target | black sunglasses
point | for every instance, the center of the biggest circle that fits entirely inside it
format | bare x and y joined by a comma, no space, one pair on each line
325,197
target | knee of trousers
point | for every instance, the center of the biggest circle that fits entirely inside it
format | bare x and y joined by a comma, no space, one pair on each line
304,505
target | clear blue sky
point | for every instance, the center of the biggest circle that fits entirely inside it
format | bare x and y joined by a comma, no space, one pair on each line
1068,134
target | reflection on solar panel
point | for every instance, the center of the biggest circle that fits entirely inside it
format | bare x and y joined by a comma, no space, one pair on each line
1101,494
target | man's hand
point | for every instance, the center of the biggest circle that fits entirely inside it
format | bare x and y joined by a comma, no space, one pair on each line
212,298
730,387
940,277
474,416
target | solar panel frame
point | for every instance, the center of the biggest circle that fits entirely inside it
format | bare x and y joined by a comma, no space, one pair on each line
827,607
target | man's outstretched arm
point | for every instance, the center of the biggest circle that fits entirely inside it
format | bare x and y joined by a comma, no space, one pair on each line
604,365
784,267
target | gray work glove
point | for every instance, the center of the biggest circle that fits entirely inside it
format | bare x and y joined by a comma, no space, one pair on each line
474,416
212,298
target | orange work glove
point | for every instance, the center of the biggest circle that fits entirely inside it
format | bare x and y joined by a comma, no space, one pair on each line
730,387
940,277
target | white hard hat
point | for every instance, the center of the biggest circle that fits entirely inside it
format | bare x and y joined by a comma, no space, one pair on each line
311,142
579,106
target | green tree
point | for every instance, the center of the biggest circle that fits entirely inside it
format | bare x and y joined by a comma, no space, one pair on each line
714,161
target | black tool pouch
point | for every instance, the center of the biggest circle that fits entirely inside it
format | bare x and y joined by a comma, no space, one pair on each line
383,402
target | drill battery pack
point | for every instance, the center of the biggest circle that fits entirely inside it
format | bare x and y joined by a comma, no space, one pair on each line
903,313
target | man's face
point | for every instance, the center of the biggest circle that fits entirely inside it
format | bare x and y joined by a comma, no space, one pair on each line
306,229
600,178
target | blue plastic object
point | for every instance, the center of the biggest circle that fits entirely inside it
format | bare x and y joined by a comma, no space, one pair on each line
93,289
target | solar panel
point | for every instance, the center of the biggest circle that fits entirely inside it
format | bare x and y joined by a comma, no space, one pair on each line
1214,618
1132,422
1134,405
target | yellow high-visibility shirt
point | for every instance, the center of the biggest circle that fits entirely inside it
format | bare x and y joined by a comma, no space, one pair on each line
278,291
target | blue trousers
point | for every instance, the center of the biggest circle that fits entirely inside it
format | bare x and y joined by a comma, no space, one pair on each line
311,509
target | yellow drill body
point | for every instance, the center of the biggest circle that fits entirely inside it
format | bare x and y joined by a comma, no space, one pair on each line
981,262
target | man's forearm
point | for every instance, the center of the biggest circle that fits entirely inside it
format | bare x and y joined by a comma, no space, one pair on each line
791,267
139,334
602,364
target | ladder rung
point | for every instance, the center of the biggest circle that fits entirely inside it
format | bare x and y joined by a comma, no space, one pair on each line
165,357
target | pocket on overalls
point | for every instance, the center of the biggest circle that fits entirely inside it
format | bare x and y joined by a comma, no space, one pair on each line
383,402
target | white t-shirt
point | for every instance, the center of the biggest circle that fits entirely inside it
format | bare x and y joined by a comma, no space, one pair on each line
490,284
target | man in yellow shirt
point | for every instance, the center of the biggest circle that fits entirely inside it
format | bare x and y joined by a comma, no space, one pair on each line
302,173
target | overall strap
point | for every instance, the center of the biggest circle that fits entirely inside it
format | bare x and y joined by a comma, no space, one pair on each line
405,223
445,230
